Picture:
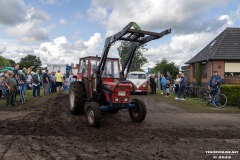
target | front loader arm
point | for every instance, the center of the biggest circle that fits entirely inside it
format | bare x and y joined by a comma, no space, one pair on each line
135,44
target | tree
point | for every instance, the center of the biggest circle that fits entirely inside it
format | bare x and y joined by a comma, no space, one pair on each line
138,59
4,62
12,62
164,66
30,60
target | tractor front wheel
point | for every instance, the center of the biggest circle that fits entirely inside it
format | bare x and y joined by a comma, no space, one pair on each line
138,113
93,114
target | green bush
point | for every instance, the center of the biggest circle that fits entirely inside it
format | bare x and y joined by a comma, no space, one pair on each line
232,92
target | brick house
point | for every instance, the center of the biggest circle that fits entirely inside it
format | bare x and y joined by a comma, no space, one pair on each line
221,54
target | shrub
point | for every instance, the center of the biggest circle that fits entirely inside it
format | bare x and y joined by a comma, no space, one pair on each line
232,92
198,74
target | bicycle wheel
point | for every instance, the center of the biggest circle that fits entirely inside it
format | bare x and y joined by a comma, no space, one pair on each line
220,100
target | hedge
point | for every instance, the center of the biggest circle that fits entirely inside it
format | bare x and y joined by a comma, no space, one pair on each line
232,92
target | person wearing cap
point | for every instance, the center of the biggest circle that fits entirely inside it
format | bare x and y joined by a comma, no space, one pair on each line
215,81
11,85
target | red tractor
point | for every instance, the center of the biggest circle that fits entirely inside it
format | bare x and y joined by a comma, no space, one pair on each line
103,86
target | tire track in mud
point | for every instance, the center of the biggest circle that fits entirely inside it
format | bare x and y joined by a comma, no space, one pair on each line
5,151
49,131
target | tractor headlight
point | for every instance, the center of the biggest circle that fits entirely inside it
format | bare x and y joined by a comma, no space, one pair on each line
125,99
116,99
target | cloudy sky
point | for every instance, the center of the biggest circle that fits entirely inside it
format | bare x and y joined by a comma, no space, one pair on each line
62,31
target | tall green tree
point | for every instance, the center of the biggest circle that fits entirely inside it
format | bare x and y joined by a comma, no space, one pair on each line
4,62
30,60
138,60
164,66
12,62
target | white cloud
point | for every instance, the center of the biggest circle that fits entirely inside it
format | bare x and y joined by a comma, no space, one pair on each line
191,30
2,48
58,51
227,19
62,51
9,50
151,14
97,13
62,21
25,22
180,49
24,50
49,1
12,12
34,14
30,31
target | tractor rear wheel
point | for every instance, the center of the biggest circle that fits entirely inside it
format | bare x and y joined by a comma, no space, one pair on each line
138,113
77,97
93,114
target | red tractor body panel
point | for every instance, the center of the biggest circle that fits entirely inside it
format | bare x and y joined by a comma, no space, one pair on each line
121,92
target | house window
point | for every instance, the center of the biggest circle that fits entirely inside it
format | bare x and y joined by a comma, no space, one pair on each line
193,70
204,70
232,69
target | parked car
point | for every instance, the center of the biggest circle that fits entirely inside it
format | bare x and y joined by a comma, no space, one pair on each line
140,81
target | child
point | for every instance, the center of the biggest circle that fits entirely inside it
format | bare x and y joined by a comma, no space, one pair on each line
167,88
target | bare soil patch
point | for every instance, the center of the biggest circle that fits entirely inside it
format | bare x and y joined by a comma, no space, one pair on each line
45,129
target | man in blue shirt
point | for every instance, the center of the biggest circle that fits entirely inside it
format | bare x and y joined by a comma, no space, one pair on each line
163,83
214,81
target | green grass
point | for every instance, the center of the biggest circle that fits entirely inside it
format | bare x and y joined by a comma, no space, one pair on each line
194,105
30,100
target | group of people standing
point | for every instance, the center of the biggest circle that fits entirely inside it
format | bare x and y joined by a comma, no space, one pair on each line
51,82
13,83
167,82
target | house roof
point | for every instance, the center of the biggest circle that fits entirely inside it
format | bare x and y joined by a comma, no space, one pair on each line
226,46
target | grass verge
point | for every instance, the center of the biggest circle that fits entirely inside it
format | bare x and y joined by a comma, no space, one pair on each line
194,105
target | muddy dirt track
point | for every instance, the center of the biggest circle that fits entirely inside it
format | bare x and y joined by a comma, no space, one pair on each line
48,131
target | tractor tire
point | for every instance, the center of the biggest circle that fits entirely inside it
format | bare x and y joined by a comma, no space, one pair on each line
93,114
138,113
77,97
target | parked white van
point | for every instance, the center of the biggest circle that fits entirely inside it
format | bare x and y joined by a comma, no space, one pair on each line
140,81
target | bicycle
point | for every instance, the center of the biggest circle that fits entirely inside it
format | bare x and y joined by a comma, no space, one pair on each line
215,97
190,92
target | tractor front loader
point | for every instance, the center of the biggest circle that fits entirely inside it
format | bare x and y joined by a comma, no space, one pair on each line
102,85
